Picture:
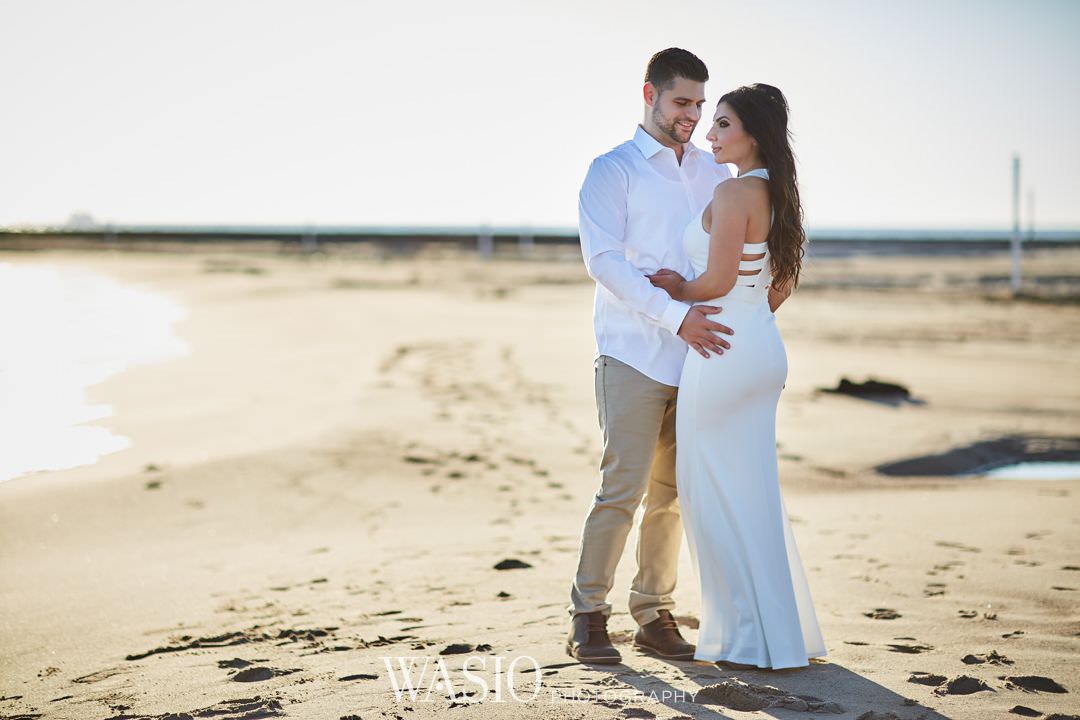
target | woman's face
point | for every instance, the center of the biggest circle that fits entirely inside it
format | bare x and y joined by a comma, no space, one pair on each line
730,142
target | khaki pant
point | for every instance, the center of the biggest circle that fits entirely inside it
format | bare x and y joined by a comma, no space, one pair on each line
637,419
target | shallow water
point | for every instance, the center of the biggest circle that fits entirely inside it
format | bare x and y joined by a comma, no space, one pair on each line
63,330
1037,471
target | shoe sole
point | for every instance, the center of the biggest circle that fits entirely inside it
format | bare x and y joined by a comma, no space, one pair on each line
602,660
653,651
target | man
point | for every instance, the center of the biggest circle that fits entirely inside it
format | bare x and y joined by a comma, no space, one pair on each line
634,205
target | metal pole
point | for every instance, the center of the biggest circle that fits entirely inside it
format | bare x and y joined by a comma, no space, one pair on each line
309,242
485,244
1031,215
525,243
1015,243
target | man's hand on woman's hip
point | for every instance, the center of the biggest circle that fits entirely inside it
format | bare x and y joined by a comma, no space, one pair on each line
699,331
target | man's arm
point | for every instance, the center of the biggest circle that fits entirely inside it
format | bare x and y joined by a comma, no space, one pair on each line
602,217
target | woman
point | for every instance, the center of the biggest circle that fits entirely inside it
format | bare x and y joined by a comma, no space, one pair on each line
746,249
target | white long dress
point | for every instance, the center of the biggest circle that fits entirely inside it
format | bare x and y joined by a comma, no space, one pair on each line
756,607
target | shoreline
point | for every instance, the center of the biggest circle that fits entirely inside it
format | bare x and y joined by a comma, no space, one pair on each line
94,328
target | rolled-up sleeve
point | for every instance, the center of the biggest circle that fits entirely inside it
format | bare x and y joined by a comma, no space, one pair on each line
602,218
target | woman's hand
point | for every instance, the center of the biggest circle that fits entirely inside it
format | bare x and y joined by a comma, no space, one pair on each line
778,294
669,281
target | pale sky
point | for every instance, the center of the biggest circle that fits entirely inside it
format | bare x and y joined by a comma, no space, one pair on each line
906,114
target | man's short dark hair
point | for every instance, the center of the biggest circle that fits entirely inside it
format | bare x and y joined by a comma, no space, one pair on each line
669,64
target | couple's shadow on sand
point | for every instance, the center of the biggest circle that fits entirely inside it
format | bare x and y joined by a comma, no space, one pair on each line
823,689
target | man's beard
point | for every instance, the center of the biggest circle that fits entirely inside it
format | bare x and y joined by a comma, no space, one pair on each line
668,127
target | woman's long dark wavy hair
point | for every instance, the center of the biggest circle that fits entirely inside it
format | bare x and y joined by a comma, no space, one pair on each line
763,110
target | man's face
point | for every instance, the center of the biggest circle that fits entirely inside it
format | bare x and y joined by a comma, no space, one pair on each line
677,109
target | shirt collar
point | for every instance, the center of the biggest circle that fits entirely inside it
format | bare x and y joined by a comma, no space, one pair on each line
646,143
649,146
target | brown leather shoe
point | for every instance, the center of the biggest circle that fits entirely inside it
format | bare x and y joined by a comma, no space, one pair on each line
661,637
588,640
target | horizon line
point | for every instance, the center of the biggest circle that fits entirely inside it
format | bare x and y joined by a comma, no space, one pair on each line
985,231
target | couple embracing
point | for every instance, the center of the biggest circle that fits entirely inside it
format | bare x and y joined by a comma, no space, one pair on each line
687,405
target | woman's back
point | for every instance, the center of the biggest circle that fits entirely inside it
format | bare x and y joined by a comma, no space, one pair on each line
759,209
754,272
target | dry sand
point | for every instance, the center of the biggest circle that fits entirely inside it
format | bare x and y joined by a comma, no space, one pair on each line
355,442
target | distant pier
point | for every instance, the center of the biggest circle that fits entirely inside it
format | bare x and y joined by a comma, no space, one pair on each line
500,241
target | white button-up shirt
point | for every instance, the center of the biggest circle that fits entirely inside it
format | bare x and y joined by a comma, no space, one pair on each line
633,208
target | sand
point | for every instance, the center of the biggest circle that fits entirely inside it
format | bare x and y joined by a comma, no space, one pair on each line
356,441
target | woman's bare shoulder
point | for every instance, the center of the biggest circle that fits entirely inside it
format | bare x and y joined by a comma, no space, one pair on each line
745,193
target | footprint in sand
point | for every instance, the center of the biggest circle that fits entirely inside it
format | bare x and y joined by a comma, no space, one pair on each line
945,567
260,673
934,589
957,546
21,716
882,614
962,685
382,641
745,697
238,663
187,642
99,675
421,460
924,678
240,709
464,648
967,614
909,648
993,657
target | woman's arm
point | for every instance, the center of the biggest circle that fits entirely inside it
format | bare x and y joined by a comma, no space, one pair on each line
730,216
778,294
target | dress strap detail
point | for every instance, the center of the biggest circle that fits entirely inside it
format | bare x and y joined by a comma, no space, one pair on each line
762,173
755,248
